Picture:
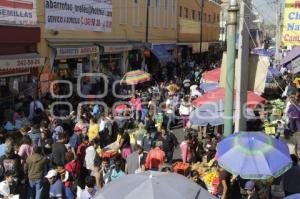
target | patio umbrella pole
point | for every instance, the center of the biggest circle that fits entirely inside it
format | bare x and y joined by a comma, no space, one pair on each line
230,69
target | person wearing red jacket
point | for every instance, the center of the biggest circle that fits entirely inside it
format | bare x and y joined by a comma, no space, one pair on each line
155,158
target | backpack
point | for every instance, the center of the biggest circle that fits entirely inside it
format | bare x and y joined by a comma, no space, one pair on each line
74,178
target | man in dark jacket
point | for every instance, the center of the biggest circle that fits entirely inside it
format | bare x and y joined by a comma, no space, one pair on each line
169,144
58,152
35,167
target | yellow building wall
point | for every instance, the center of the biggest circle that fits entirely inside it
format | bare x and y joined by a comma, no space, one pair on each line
120,32
189,29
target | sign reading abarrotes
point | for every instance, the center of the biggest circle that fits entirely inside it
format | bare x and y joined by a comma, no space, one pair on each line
69,51
89,15
291,26
18,12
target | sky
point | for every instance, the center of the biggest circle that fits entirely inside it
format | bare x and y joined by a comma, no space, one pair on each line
266,9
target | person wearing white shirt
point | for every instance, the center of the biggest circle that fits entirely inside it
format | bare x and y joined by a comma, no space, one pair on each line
90,189
90,155
102,124
170,111
34,106
4,185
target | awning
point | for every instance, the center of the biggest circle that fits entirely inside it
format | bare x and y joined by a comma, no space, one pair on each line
294,53
169,46
66,52
184,44
161,54
21,61
115,47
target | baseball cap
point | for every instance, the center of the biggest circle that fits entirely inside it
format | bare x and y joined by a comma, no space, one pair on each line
52,173
249,185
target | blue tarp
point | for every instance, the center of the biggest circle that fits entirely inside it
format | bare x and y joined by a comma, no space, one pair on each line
269,53
161,54
272,72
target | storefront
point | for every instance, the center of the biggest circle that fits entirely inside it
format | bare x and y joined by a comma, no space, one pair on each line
69,61
114,59
19,62
159,57
184,52
19,74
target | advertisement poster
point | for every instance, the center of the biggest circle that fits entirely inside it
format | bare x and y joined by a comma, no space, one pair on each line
291,24
18,12
88,15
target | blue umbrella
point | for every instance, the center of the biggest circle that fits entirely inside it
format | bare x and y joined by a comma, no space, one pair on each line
294,196
212,114
254,155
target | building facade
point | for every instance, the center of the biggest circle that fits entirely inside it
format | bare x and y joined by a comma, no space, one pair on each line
106,37
19,57
189,24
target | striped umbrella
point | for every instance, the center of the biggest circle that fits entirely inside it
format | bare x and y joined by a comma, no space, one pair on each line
254,155
135,77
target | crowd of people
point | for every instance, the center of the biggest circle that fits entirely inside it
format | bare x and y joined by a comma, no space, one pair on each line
77,156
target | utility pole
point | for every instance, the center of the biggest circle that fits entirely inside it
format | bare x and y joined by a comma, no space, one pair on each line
229,85
201,25
147,21
278,32
242,68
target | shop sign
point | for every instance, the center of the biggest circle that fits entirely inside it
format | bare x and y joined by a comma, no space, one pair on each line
18,12
21,63
291,24
89,15
117,49
83,51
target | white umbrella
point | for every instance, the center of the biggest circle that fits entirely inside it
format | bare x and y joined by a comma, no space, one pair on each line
153,185
294,196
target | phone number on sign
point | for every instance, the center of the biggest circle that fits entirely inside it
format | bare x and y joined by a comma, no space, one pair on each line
26,62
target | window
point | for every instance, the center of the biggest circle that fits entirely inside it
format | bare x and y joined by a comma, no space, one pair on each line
152,11
193,14
186,10
123,11
205,18
135,13
157,13
199,16
174,14
218,17
180,11
165,14
209,18
214,18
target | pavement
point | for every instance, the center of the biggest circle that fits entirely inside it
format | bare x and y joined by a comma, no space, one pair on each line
178,132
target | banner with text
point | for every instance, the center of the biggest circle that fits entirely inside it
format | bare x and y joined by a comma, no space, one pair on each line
291,26
89,15
18,12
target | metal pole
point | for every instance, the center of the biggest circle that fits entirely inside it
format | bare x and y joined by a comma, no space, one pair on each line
147,21
242,69
278,26
229,85
201,26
